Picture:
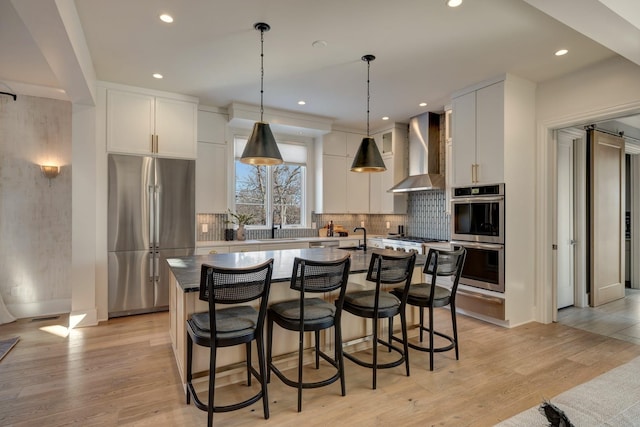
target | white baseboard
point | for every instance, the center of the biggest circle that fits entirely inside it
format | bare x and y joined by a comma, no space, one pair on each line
39,309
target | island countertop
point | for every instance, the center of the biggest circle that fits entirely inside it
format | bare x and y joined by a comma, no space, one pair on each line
187,269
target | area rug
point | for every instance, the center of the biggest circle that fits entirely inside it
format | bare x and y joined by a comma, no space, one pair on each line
7,345
611,399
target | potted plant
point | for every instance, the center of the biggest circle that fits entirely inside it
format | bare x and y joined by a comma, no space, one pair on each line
241,220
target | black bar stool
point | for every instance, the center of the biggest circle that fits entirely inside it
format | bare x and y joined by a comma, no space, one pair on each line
225,327
439,263
311,314
384,268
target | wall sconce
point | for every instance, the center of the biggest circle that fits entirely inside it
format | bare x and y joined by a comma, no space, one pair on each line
50,171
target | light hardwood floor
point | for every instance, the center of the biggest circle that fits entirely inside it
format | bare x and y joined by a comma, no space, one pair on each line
122,373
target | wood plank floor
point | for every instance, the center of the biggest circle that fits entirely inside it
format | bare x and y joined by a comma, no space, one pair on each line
122,373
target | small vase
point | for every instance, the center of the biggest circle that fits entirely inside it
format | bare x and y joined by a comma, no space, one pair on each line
240,234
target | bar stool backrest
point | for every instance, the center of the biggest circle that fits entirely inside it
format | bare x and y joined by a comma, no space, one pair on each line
235,285
319,276
446,263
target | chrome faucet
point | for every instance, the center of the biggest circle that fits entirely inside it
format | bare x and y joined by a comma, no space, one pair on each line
364,245
273,224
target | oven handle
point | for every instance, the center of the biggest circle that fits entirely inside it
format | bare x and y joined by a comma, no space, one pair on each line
478,245
477,199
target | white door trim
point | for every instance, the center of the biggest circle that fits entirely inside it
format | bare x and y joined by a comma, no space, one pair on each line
545,206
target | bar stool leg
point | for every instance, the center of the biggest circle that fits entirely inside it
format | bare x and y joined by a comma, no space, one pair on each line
189,366
375,351
263,375
269,345
317,341
455,329
405,339
430,338
248,351
300,356
212,382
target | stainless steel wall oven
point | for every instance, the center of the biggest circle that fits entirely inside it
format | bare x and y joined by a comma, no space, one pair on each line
477,223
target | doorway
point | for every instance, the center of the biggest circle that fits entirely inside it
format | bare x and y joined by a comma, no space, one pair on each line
570,262
571,221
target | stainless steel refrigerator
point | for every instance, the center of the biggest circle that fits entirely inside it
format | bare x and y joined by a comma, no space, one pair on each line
151,218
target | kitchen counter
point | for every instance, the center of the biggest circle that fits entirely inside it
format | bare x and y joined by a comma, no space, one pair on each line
284,240
184,301
186,270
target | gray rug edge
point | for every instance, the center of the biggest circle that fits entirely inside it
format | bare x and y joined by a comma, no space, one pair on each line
584,403
6,346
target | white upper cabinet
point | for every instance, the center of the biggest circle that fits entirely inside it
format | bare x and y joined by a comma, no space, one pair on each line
211,178
212,163
212,127
335,144
334,184
343,191
478,136
141,123
392,144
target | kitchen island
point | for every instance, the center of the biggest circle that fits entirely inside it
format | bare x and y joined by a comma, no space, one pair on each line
183,301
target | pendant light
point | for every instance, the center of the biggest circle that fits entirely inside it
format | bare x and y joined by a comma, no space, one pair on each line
261,148
368,158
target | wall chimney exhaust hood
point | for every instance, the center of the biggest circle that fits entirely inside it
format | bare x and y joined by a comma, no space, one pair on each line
424,156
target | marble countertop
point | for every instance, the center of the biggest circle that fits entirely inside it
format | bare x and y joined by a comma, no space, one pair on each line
187,269
284,240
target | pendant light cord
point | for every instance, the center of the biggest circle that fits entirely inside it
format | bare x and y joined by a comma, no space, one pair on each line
261,74
368,94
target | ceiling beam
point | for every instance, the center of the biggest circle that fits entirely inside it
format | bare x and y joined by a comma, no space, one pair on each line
56,30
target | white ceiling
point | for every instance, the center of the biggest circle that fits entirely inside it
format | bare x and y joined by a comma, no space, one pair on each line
425,50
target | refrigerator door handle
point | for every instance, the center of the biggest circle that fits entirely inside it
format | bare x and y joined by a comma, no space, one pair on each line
157,219
152,209
156,267
152,264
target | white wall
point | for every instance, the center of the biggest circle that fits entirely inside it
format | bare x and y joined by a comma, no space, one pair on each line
35,213
605,90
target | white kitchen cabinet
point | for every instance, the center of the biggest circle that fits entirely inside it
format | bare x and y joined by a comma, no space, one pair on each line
141,123
357,190
211,178
343,191
393,147
478,133
212,126
335,143
353,143
334,184
211,163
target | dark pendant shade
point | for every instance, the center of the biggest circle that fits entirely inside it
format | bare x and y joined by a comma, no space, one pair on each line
368,158
261,148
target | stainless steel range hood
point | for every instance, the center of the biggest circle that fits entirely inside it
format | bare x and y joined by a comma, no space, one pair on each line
424,156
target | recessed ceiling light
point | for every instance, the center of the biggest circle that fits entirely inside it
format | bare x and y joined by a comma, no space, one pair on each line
385,118
166,18
423,104
319,44
454,3
157,76
562,52
301,102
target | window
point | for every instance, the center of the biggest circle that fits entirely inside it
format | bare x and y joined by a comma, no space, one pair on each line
272,194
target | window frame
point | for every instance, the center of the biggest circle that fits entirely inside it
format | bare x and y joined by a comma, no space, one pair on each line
240,141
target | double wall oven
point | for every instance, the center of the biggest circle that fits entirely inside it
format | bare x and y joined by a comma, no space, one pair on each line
477,223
